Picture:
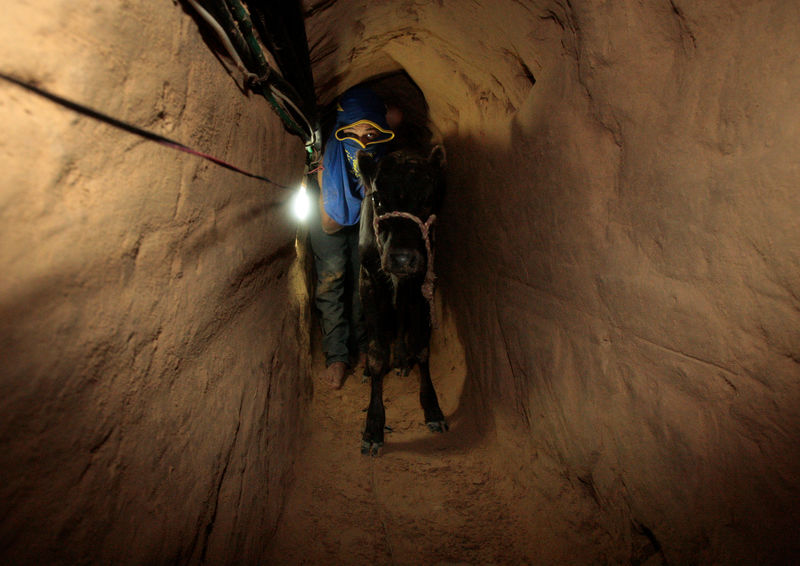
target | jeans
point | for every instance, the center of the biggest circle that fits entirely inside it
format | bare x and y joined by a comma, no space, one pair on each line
336,297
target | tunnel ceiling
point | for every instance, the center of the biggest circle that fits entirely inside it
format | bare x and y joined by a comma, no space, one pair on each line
449,52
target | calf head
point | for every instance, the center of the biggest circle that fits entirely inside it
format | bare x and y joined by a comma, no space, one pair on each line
403,192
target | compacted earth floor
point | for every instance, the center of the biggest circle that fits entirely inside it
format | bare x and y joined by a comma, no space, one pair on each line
428,498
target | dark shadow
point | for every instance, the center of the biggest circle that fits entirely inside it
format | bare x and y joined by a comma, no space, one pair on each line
398,90
465,433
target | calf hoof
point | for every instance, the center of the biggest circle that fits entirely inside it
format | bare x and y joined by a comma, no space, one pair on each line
370,448
437,426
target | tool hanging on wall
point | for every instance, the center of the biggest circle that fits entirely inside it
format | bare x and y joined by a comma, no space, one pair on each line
242,28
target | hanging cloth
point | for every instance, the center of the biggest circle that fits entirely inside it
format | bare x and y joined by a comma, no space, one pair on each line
342,190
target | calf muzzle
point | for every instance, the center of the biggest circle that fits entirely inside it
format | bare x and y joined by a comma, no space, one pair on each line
404,262
425,230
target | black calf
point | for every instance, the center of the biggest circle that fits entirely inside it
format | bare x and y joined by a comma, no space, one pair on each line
404,191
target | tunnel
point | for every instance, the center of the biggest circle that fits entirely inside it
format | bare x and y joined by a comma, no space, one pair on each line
618,292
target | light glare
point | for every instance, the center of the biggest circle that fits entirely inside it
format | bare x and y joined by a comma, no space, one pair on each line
301,204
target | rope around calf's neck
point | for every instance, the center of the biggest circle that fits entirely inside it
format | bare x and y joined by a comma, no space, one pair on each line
425,228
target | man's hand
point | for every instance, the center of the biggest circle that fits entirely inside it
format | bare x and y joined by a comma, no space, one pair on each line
329,225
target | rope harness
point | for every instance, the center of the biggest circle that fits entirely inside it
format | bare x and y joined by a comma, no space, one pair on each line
425,228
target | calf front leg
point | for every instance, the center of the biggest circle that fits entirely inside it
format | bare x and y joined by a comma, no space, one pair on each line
434,417
372,439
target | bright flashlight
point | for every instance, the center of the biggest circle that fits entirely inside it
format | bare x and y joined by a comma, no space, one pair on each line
301,204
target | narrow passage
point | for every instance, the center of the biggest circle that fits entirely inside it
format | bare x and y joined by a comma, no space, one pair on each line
436,499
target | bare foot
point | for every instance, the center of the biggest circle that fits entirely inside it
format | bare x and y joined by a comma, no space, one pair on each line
334,375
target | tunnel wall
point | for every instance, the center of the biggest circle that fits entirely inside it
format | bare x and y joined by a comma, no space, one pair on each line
619,245
153,357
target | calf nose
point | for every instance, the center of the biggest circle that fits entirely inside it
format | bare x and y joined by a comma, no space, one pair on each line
403,260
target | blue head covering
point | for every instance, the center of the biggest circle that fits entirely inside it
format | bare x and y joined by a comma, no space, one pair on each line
342,191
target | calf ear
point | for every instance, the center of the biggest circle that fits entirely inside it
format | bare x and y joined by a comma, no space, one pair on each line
437,157
366,167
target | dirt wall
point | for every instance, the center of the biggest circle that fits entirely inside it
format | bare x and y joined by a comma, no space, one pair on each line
150,343
620,245
619,250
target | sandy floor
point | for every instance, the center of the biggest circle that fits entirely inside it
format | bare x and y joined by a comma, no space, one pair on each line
440,499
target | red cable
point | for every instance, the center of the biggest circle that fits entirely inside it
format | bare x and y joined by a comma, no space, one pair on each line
132,129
